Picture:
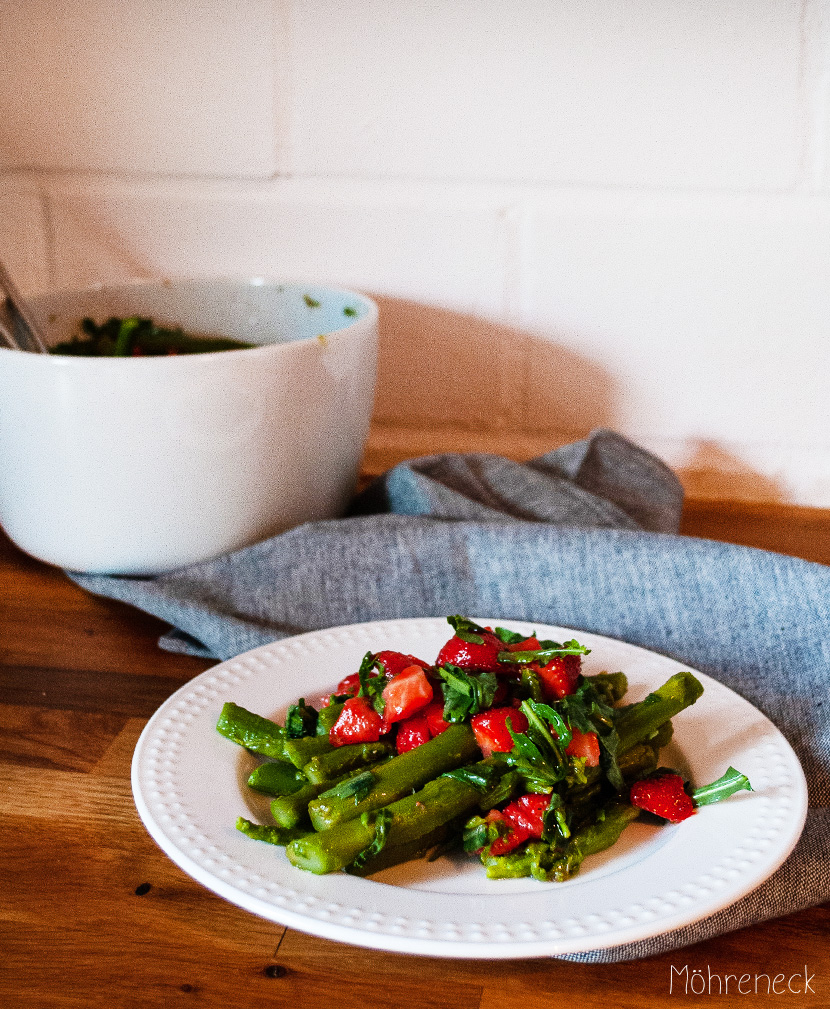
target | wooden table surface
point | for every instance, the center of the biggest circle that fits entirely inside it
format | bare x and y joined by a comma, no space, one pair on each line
93,914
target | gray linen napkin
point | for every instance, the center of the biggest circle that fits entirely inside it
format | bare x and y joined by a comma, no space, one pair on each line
583,537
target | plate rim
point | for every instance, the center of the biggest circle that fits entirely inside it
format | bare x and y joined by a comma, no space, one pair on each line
503,948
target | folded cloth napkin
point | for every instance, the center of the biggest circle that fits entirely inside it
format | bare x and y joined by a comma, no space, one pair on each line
583,537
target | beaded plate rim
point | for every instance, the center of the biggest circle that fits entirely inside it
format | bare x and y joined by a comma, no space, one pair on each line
672,885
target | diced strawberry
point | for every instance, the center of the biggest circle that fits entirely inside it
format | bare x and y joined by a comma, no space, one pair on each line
470,655
664,795
405,694
358,723
412,732
560,676
395,662
351,684
526,813
434,714
491,732
585,745
508,841
528,645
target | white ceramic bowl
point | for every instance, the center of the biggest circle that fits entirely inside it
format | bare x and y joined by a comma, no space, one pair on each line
142,465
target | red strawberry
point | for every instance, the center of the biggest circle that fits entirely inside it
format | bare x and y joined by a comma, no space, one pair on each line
405,694
395,662
471,655
585,745
491,732
412,732
560,676
434,714
663,795
358,723
526,812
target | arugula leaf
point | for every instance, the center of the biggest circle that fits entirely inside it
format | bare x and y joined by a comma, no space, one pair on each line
536,753
510,637
467,630
729,783
372,686
480,776
466,694
359,786
555,820
549,650
300,720
381,819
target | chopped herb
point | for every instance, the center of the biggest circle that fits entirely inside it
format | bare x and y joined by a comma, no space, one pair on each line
348,310
381,819
466,694
510,637
372,686
467,630
550,650
311,302
300,720
359,786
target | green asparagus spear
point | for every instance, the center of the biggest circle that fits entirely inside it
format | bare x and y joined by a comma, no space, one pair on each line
272,835
391,855
292,810
638,722
439,802
336,762
255,733
300,751
400,776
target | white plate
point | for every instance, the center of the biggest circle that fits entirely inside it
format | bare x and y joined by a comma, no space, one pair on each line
189,788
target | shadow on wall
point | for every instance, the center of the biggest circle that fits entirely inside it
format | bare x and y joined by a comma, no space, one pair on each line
455,382
709,470
444,369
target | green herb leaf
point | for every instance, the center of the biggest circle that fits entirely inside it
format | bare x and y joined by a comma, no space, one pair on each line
467,630
555,820
381,820
550,650
466,694
729,783
359,786
372,686
348,310
511,637
311,302
480,776
300,720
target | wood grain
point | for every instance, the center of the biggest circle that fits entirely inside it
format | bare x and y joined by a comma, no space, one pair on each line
92,914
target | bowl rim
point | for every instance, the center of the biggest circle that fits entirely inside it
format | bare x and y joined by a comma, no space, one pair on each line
369,317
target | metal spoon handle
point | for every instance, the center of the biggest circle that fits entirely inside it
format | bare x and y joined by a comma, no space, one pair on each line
22,310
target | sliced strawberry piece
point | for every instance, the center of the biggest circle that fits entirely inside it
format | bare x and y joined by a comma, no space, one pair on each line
491,732
508,841
434,714
664,795
412,732
560,676
584,745
358,723
395,662
405,694
470,655
526,813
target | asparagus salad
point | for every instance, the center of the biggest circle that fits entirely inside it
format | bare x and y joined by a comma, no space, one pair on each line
500,747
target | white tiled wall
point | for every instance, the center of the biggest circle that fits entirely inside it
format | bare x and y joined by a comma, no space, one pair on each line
572,214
